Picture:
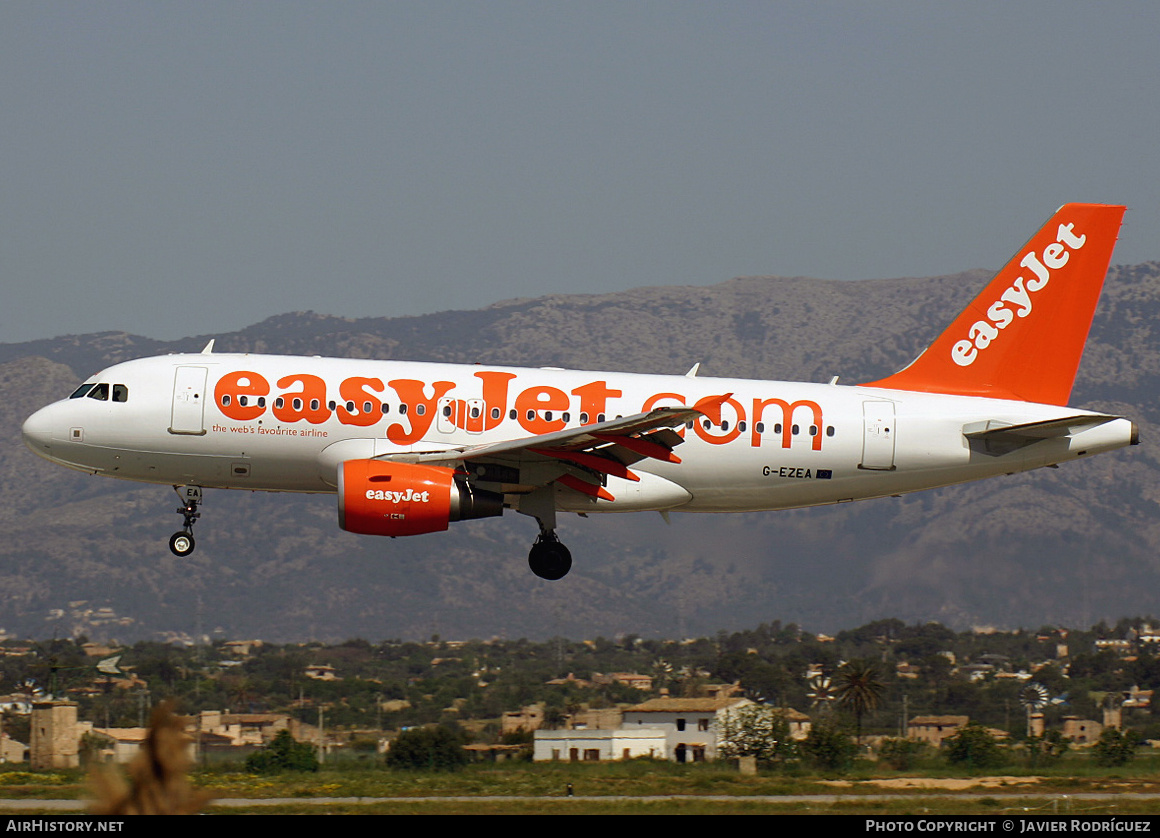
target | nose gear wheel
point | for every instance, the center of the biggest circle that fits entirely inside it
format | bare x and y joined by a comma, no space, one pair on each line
181,543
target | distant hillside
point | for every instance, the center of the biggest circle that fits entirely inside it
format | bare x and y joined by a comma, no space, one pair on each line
1067,546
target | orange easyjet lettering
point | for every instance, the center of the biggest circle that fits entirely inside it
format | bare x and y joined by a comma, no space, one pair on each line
539,409
309,403
536,404
787,426
420,409
360,397
235,392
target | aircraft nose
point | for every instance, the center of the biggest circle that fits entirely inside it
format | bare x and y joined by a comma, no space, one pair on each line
37,431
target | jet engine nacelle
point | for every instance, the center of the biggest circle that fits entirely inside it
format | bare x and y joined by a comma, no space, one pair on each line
383,498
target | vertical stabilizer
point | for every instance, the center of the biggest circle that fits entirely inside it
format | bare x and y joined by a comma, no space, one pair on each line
1023,337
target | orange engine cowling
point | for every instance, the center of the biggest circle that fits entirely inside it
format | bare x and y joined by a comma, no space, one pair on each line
382,498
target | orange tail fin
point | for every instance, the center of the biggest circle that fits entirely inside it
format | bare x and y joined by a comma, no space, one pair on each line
1022,338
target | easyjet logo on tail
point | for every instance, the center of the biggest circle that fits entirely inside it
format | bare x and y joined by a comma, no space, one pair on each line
1016,300
1023,336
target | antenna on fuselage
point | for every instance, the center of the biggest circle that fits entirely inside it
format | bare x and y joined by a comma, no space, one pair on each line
208,347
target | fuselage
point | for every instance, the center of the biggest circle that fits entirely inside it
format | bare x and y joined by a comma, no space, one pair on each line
286,423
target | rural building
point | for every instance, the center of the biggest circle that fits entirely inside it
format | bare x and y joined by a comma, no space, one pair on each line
526,718
934,729
598,745
54,736
690,725
1081,731
243,728
11,750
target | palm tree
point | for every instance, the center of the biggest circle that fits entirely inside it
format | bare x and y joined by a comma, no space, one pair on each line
859,689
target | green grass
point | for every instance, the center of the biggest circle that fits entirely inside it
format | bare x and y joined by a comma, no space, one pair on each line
594,786
701,806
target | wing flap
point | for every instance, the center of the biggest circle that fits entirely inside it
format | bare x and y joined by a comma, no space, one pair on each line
574,457
624,431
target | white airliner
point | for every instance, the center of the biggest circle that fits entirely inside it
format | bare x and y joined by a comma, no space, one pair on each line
410,447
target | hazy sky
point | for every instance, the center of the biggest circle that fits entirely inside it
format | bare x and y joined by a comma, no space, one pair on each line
177,168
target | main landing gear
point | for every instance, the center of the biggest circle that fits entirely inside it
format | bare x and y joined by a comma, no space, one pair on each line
181,543
549,559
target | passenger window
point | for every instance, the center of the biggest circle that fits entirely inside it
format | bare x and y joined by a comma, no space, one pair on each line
120,393
100,393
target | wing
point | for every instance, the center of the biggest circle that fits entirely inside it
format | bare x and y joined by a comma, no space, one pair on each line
578,458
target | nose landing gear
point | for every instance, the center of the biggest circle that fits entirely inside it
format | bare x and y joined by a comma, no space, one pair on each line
181,543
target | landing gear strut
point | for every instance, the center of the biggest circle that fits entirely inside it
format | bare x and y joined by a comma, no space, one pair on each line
549,559
181,543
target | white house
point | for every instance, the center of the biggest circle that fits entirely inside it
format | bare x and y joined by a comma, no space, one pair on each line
690,725
598,745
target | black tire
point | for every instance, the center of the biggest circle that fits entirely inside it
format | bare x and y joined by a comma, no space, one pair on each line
550,560
181,543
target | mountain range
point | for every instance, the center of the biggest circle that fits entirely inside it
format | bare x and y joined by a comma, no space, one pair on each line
1067,546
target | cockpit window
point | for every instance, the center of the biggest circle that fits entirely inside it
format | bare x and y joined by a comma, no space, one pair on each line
100,392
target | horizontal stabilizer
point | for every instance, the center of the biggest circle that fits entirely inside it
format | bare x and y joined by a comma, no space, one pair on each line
999,438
